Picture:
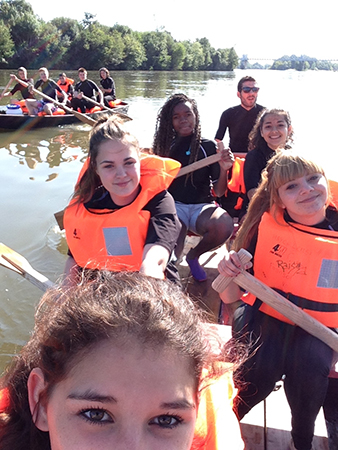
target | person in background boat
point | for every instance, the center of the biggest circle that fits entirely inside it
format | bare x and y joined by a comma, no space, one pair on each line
22,75
292,230
121,216
272,131
239,120
66,84
89,89
120,361
108,86
178,136
48,87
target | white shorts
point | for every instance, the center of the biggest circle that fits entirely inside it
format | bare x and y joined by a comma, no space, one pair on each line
188,213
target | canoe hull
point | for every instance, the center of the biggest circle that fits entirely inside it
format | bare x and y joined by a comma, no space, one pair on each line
15,121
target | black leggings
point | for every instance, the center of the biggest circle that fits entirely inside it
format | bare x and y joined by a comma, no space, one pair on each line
283,349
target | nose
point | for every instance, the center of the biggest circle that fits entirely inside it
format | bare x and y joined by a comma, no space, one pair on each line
120,171
306,186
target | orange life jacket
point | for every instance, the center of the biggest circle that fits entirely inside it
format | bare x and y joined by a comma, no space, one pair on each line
217,427
301,263
236,182
64,87
114,240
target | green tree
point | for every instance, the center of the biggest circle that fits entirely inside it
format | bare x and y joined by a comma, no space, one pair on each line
178,56
194,59
134,53
208,53
6,43
155,45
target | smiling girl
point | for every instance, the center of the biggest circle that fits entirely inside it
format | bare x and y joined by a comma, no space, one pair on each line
121,216
113,363
271,131
292,231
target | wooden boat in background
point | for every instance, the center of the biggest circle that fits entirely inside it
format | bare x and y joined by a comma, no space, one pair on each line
24,121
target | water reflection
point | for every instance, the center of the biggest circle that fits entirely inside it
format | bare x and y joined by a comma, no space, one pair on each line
51,146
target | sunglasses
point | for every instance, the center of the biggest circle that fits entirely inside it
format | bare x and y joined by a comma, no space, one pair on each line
248,89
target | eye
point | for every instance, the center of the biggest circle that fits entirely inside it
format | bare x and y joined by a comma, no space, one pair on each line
290,186
314,177
98,416
166,421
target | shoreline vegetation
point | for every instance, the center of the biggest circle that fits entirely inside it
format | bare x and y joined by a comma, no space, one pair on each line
26,40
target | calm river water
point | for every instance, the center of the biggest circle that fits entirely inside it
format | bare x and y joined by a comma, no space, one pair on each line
38,169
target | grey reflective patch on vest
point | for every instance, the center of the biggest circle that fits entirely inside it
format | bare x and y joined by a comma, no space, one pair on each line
328,276
117,241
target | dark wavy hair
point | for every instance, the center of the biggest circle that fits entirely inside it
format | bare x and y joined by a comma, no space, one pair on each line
165,133
256,140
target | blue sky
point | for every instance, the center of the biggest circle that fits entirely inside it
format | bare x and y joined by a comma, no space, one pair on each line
261,29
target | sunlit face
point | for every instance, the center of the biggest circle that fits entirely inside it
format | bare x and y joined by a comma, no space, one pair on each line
22,74
83,76
103,74
248,100
123,398
118,166
275,131
184,119
44,75
305,198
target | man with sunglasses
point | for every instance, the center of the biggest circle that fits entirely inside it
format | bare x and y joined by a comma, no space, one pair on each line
240,119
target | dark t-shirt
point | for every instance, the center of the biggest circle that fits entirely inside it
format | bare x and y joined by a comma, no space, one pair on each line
197,189
88,87
49,88
240,122
24,90
254,164
108,83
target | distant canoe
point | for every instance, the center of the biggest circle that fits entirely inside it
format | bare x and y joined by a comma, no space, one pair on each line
16,121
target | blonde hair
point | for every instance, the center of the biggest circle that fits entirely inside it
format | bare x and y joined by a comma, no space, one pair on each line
283,167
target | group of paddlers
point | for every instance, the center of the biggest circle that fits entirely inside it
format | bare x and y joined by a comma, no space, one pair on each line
119,357
81,97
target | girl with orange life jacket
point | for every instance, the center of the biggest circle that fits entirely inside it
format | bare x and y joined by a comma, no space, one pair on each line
121,216
120,361
292,230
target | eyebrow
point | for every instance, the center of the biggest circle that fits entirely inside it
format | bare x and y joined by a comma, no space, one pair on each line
92,396
178,404
110,161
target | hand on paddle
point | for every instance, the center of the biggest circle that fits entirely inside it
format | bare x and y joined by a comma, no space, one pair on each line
227,157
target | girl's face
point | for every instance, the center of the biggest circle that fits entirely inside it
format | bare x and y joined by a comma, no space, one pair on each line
103,74
184,119
275,131
120,397
305,198
118,166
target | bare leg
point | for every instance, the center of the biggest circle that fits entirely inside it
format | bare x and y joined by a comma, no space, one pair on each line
215,226
48,108
32,106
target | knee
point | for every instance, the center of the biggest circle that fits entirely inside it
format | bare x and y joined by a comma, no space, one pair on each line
223,226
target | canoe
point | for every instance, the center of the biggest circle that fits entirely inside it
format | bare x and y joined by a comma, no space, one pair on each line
16,121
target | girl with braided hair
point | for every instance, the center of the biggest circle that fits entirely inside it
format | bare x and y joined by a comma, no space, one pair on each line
178,136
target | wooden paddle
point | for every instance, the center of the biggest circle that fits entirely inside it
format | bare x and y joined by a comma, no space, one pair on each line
111,110
14,261
278,302
6,87
80,116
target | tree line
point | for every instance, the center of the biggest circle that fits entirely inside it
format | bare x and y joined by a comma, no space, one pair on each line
26,40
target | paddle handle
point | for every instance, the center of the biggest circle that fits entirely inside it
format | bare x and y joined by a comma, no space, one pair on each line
199,164
282,305
5,89
222,282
